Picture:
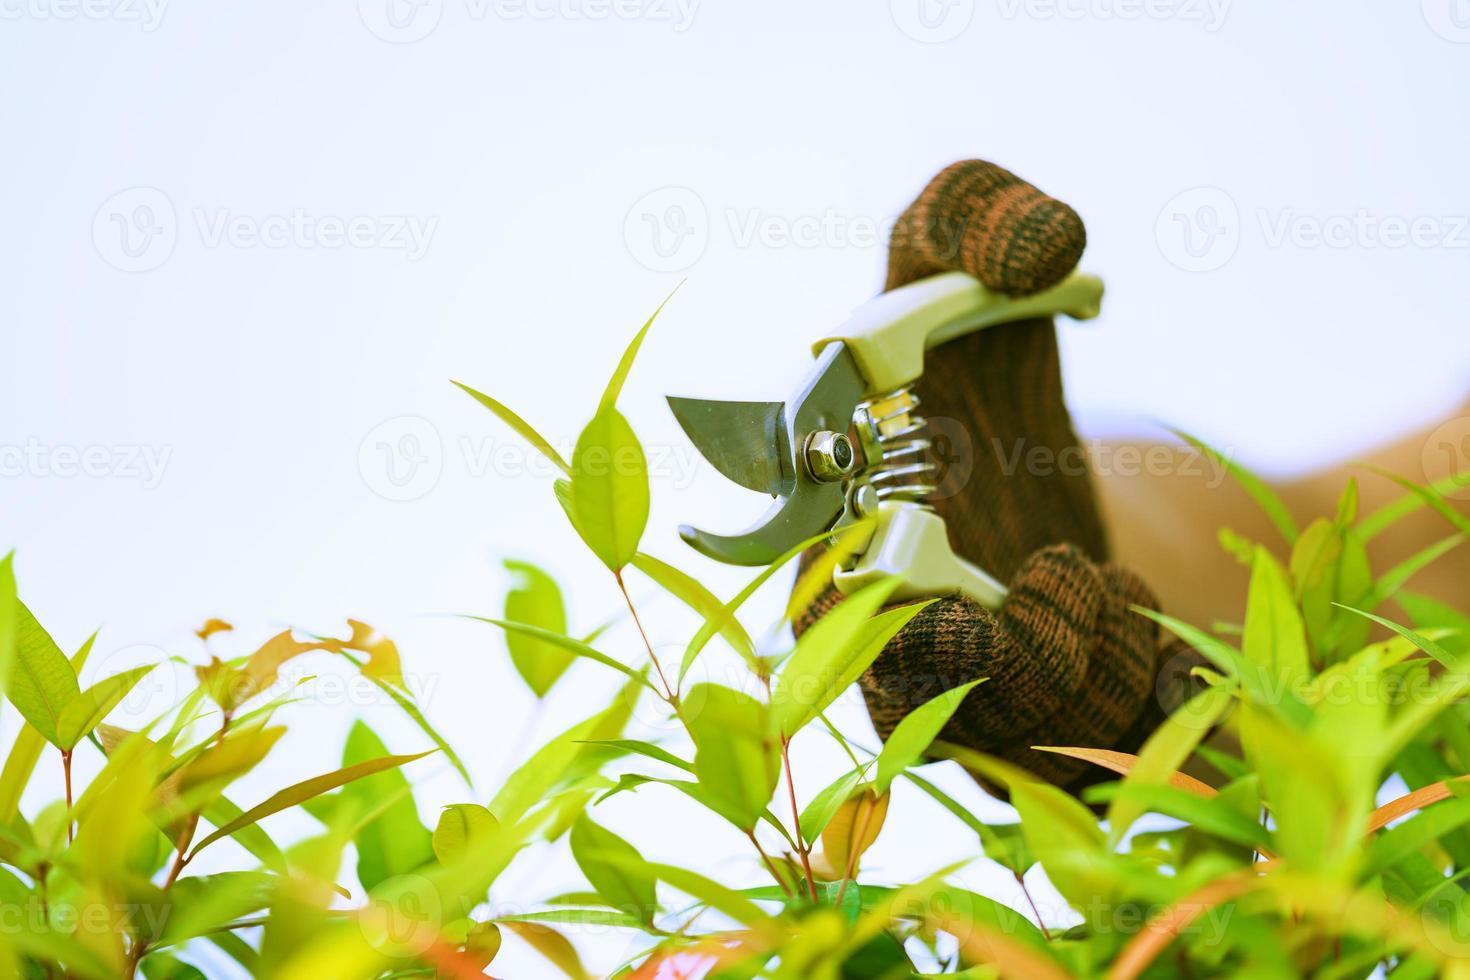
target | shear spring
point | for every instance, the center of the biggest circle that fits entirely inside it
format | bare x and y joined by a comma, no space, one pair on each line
891,432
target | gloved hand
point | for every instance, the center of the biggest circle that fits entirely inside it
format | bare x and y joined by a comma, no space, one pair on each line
1068,662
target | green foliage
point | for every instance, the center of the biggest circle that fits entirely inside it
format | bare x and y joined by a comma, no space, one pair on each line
1288,847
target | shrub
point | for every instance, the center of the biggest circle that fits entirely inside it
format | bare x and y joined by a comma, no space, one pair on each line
1288,861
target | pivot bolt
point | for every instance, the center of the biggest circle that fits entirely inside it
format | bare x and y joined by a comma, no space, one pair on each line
829,456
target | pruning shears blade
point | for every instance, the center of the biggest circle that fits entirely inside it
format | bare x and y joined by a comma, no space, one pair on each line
743,440
761,446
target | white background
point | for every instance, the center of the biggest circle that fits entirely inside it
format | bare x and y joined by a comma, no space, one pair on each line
535,146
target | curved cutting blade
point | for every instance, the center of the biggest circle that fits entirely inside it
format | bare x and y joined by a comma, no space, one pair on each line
743,440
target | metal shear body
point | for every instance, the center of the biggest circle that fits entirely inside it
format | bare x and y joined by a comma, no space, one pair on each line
850,443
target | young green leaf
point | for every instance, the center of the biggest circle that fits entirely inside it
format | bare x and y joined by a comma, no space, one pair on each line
9,616
535,599
87,709
42,682
459,825
575,647
683,587
824,806
1274,635
906,745
625,363
520,425
1259,491
297,794
609,489
1165,752
613,866
736,757
394,842
822,665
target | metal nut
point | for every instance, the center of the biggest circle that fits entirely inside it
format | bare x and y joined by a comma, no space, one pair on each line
829,456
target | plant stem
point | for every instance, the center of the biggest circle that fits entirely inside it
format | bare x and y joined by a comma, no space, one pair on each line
66,774
801,847
669,694
770,865
1040,923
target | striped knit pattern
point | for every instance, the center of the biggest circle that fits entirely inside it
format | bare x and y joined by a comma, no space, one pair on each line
1068,662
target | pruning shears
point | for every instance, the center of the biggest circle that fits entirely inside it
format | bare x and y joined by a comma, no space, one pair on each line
851,444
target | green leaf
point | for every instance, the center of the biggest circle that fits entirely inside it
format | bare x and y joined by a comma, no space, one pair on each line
578,917
615,868
736,758
9,616
683,587
1210,815
1274,635
1424,828
395,841
87,710
645,749
625,364
575,647
719,623
922,726
550,764
828,657
42,682
1003,843
460,825
300,792
1253,485
1165,752
1391,513
520,425
1434,499
409,708
535,600
609,489
824,806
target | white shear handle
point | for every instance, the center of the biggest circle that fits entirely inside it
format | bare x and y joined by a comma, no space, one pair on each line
910,541
890,333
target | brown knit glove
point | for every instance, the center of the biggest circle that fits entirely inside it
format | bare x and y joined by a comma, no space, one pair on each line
1068,662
